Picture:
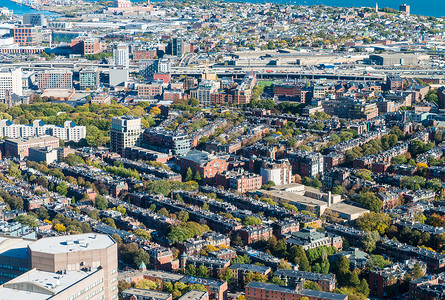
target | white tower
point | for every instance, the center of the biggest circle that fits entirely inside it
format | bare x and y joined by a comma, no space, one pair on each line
121,56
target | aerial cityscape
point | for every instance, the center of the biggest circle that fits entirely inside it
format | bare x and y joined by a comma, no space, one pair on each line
222,150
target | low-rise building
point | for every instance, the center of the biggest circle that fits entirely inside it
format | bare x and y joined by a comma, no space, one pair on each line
267,291
240,270
310,238
327,282
388,282
239,180
208,165
20,147
255,233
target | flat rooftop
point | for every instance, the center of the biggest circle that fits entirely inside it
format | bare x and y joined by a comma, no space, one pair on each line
14,247
194,295
147,294
347,209
173,277
294,198
37,284
72,243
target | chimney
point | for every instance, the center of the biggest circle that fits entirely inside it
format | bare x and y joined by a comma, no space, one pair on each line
329,198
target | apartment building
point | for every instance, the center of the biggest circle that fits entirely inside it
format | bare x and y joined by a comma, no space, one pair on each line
10,82
68,132
165,141
306,163
239,180
255,233
20,147
27,35
85,46
121,56
55,79
89,78
262,291
327,282
126,131
350,108
150,90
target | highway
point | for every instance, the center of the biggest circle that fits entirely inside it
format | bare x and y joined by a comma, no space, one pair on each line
265,72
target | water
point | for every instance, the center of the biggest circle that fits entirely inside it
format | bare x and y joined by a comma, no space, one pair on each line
434,8
19,9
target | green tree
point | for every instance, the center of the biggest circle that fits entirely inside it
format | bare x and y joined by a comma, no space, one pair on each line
183,216
338,190
109,222
369,240
146,285
370,201
190,270
283,264
101,202
141,256
27,220
197,176
252,221
363,287
277,280
373,222
163,212
189,175
364,174
62,188
311,285
202,271
142,233
354,281
377,262
417,271
301,260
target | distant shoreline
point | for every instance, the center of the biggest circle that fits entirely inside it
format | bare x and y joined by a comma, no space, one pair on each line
328,3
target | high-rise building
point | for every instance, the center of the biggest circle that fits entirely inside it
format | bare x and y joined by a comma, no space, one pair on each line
34,19
126,131
121,56
148,67
11,81
177,47
55,79
63,267
27,35
89,78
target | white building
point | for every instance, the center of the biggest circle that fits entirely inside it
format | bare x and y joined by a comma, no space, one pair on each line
11,80
164,66
278,171
68,132
121,56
